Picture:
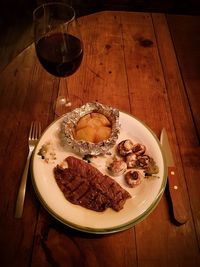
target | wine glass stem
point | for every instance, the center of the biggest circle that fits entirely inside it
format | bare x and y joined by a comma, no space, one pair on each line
67,99
63,102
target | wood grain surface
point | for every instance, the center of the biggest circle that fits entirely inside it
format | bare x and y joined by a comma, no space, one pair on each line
130,63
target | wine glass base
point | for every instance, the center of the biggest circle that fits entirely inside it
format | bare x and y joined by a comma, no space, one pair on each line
63,105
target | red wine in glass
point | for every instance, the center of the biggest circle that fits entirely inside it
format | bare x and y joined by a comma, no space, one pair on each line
60,54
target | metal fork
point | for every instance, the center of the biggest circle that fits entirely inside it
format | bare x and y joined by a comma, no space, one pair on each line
34,134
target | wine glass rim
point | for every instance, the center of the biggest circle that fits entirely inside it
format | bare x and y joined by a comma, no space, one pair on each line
54,3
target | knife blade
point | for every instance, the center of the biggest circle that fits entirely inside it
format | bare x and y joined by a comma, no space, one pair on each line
179,210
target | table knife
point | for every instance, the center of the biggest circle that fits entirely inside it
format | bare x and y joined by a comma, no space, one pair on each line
179,210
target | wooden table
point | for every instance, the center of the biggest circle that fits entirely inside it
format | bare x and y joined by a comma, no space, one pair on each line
129,63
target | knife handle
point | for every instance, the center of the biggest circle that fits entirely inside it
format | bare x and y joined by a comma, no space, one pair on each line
179,210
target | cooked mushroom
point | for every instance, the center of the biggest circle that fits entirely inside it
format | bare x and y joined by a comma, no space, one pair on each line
152,168
117,166
133,178
131,160
139,149
125,147
143,161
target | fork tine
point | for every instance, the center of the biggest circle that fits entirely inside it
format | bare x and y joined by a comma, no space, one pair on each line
37,132
39,129
34,133
31,129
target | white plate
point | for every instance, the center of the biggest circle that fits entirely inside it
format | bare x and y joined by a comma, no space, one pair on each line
144,199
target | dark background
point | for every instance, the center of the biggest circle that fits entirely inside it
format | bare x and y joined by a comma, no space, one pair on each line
17,9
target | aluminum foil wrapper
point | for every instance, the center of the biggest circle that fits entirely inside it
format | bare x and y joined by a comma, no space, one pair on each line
84,147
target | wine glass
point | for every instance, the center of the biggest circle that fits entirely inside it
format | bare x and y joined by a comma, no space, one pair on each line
58,42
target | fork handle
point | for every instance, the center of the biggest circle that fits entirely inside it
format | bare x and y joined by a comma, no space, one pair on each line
22,189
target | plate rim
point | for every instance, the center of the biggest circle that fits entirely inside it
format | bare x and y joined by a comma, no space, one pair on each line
108,230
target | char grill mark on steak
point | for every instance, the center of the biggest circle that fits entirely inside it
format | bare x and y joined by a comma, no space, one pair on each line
83,184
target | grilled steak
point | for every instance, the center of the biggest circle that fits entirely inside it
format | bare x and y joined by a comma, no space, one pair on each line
84,185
